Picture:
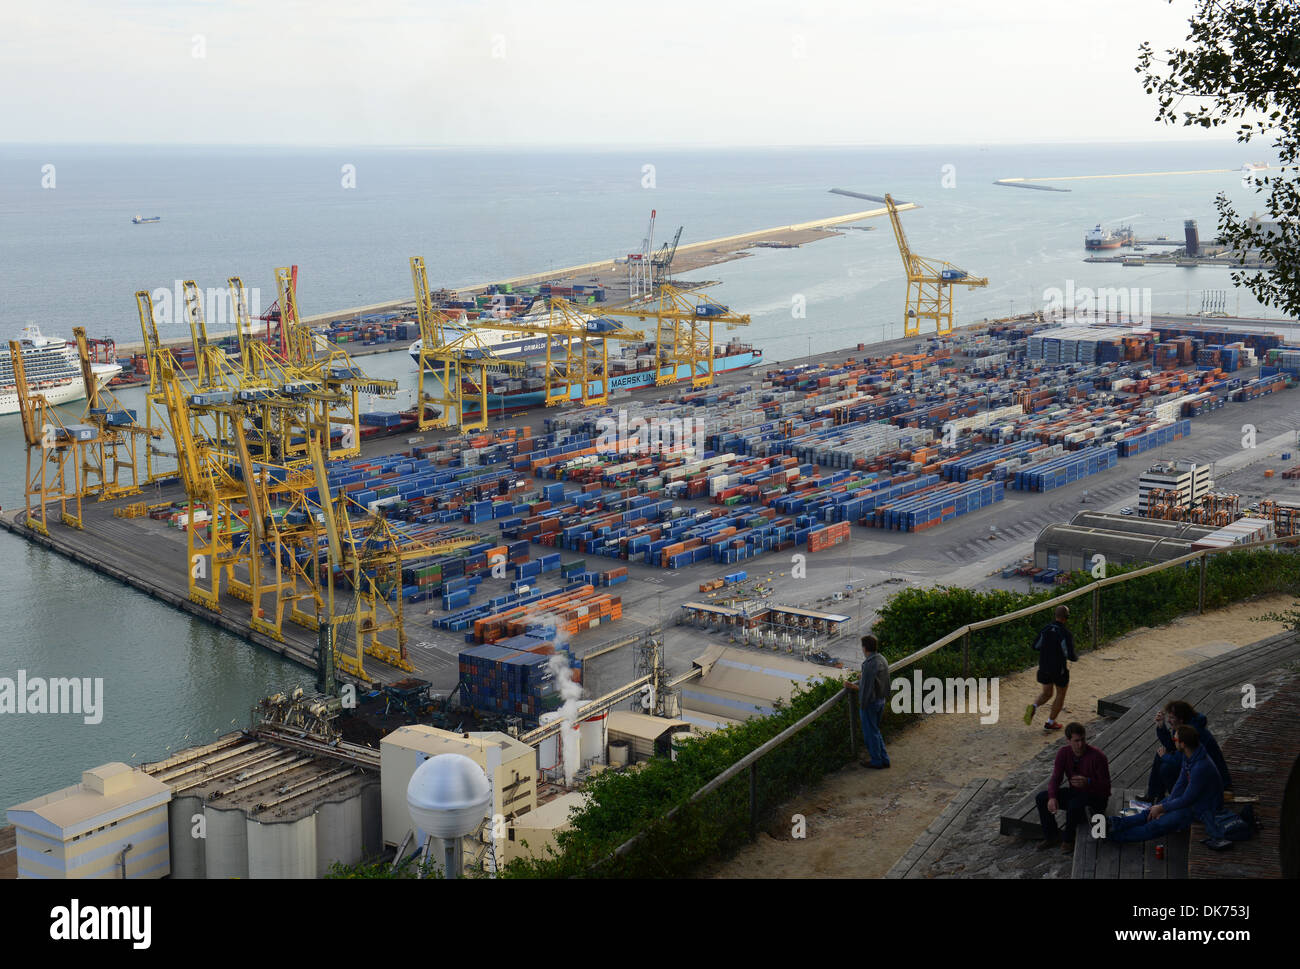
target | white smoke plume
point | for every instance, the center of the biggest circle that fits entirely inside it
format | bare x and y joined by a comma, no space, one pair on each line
571,694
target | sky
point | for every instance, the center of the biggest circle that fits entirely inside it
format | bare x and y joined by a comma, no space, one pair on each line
565,73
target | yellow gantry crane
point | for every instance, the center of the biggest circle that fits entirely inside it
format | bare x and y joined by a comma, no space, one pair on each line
113,454
55,454
684,325
454,358
157,357
464,362
340,381
929,283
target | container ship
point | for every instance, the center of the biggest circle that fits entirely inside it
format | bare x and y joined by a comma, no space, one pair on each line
635,368
53,370
505,343
1100,238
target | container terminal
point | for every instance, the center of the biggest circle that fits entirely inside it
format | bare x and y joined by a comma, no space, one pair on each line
564,590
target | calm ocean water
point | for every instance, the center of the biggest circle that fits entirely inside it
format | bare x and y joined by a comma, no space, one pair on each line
69,255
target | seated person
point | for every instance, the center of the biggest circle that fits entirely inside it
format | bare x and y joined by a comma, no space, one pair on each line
1168,762
1196,796
1087,774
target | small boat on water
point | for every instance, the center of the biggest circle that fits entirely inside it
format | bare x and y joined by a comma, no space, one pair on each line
143,219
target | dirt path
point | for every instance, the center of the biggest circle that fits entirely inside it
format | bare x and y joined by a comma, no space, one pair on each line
859,822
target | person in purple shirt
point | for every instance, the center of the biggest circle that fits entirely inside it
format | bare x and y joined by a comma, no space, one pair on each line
1079,785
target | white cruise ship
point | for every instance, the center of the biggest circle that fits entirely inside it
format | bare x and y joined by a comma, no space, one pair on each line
52,367
503,342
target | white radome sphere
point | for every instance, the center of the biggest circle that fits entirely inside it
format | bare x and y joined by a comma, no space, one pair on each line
448,796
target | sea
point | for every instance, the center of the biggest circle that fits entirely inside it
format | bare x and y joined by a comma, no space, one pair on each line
350,219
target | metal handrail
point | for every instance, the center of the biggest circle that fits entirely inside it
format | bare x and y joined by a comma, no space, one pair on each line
1092,588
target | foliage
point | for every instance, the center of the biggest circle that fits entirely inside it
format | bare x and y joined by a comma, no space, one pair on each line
1242,64
382,869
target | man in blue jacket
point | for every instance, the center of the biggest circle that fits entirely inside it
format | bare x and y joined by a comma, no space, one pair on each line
873,688
1196,797
1168,762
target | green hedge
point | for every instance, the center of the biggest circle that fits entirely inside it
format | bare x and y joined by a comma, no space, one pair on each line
914,618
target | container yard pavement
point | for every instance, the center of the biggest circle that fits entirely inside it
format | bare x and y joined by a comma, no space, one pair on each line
860,822
864,571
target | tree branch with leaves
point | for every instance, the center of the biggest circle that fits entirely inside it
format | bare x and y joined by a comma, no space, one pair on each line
1242,65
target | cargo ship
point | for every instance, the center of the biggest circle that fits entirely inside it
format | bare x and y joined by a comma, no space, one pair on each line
53,370
146,219
1100,238
635,369
505,343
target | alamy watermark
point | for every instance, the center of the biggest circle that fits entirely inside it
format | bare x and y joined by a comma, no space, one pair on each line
57,694
929,694
218,305
649,435
1084,304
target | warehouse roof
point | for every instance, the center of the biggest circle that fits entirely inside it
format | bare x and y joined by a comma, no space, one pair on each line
105,794
1152,548
643,725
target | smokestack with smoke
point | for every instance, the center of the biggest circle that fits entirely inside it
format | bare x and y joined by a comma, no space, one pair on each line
571,694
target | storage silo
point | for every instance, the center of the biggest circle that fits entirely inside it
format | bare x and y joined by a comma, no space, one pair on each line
188,851
225,847
591,738
282,849
341,831
448,798
548,751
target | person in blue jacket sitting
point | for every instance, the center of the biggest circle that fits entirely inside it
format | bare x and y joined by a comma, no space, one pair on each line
1196,797
1168,762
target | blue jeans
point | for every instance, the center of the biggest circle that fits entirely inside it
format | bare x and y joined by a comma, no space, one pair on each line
1140,827
871,732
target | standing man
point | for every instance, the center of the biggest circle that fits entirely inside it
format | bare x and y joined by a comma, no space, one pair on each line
873,687
1054,645
1086,774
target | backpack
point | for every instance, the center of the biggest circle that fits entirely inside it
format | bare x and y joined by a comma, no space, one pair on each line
1234,826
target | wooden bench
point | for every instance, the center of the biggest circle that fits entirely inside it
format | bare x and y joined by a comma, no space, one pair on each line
1100,858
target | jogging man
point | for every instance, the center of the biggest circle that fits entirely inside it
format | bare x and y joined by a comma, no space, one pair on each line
1054,645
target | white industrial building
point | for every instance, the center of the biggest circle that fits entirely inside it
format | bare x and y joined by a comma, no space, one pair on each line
510,766
1191,481
111,825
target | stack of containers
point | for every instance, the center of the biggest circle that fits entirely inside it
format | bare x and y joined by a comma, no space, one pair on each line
1066,469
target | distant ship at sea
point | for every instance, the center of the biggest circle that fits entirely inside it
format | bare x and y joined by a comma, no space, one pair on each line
143,219
1100,238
